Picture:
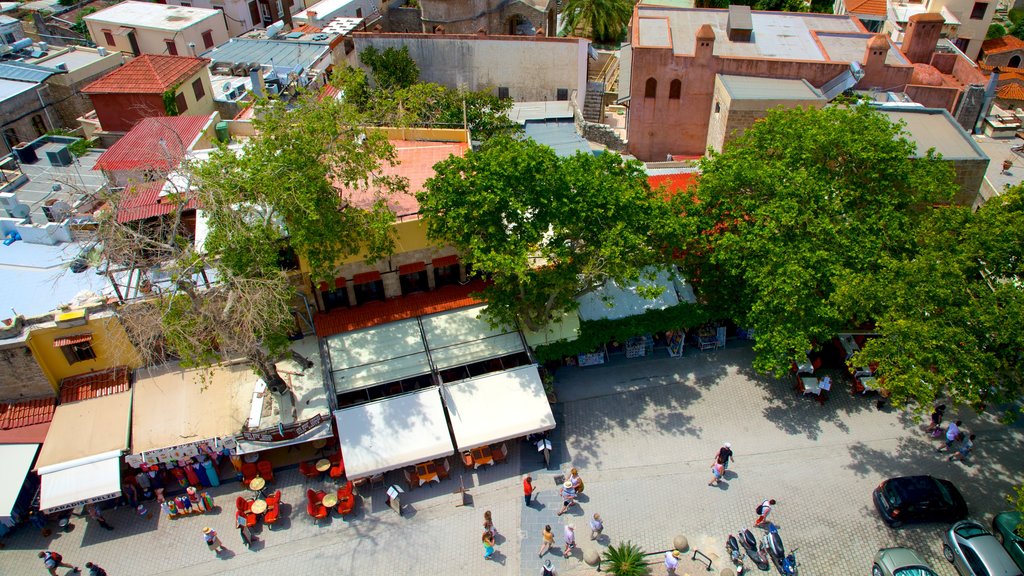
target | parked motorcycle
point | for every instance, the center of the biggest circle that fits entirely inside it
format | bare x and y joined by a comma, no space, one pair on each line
755,550
543,444
732,546
773,543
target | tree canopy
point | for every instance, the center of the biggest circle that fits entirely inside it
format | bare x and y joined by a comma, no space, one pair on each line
541,228
798,209
603,21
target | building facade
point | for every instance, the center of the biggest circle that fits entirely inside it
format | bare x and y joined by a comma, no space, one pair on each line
145,28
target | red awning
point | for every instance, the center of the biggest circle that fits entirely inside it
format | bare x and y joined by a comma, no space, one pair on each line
366,277
445,261
69,340
339,282
411,268
323,287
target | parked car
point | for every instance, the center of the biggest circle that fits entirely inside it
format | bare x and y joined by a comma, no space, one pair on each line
919,499
974,551
900,562
1003,527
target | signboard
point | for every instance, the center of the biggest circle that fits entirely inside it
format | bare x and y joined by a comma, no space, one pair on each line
281,433
78,503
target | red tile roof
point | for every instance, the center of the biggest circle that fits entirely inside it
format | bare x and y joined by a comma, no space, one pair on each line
141,147
873,7
26,413
1004,44
95,384
415,161
1010,91
69,340
394,309
147,74
144,201
674,183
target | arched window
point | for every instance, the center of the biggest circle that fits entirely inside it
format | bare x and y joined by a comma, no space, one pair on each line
1014,62
674,89
651,89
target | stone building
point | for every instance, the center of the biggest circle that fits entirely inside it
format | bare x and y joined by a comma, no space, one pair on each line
1005,52
515,17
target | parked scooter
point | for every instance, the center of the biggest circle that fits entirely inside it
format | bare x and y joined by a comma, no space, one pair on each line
773,542
732,546
540,440
755,551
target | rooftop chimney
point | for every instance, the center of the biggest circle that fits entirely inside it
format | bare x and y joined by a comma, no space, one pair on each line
923,31
312,20
739,27
705,43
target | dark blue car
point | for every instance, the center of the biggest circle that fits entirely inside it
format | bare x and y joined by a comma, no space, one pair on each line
919,499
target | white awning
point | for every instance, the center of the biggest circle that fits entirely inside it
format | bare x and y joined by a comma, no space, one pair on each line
393,433
17,459
318,432
497,407
613,302
461,337
82,481
377,355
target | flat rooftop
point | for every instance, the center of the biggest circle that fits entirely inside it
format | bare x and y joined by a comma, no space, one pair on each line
776,35
753,88
150,15
75,180
37,279
73,57
522,112
558,134
935,128
279,53
11,88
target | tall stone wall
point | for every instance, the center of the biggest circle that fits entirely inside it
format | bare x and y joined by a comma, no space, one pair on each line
21,377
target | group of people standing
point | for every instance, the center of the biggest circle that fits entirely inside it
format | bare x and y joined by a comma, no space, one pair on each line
954,435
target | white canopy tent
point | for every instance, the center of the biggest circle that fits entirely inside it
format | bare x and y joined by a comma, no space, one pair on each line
17,459
613,301
83,481
495,407
460,337
377,355
393,432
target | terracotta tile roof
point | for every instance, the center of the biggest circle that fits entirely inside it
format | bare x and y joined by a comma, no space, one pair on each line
674,183
415,161
69,340
394,309
307,29
327,93
33,434
27,413
873,7
1010,91
95,384
144,201
147,74
1004,44
141,147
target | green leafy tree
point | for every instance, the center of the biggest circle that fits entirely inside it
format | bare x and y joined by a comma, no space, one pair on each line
995,31
544,229
390,69
1017,501
603,21
626,559
800,205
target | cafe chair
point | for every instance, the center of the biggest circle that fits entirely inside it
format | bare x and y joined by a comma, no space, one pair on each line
337,465
242,505
500,454
249,472
467,460
314,505
444,469
377,479
411,478
308,469
273,508
266,470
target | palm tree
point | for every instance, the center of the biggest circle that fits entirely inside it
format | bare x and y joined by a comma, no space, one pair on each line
626,559
603,21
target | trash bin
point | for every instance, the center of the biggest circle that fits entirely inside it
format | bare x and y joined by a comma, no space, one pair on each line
25,153
222,131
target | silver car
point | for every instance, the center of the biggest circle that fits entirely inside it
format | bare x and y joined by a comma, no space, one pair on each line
900,562
976,552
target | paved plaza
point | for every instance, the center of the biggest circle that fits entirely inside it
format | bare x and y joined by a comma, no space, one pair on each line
643,434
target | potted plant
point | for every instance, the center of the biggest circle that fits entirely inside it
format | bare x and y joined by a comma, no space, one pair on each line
626,559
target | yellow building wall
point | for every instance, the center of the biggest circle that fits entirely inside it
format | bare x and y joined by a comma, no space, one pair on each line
410,235
109,341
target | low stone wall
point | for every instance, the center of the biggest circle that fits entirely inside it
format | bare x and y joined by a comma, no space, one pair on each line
595,132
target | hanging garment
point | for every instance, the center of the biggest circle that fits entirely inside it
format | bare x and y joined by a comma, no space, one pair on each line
211,473
200,471
190,473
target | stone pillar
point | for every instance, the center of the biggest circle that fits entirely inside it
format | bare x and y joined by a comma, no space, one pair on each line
430,276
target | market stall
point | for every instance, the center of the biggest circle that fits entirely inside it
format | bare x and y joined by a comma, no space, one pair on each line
392,433
472,403
17,459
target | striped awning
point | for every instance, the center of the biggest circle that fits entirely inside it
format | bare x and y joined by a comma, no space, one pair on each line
411,268
444,261
366,277
69,340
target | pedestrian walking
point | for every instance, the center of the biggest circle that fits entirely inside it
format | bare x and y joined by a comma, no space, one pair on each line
717,470
570,540
488,541
951,435
724,455
547,540
489,524
94,513
52,561
95,570
672,561
568,497
596,527
527,488
762,511
937,416
212,540
577,482
546,569
965,449
245,533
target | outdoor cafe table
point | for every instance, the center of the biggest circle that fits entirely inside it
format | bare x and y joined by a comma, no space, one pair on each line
323,465
330,500
810,385
427,472
258,506
481,456
257,484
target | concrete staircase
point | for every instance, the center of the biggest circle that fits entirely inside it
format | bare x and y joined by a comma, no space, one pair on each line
593,102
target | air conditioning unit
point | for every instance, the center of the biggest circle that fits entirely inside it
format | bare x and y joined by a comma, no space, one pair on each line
56,210
59,156
9,203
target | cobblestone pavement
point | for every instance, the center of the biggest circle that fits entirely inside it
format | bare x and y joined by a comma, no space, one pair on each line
643,434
